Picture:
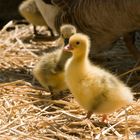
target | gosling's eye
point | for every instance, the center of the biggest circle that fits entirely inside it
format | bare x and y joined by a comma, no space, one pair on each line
72,33
77,43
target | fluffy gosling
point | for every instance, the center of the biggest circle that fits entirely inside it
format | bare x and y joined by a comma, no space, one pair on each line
49,71
31,13
97,90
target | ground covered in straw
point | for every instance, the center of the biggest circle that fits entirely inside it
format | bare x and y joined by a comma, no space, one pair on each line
27,110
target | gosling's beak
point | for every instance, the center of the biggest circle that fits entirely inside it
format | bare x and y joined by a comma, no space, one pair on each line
66,41
68,48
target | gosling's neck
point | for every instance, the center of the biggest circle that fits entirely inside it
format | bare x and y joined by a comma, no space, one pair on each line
77,66
81,56
80,61
62,60
60,42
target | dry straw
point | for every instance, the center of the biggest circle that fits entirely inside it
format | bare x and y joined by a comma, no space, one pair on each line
27,110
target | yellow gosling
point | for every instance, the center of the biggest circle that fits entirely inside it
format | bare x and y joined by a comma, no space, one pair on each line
31,13
97,90
49,71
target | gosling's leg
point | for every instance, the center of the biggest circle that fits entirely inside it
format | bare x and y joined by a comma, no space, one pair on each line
36,34
129,39
89,113
104,117
34,30
52,34
51,91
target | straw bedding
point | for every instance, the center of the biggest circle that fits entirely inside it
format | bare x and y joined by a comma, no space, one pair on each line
27,110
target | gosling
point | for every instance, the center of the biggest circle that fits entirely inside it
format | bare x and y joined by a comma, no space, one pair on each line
49,71
31,13
97,90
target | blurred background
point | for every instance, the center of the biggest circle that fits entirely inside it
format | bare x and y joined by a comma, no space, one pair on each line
9,11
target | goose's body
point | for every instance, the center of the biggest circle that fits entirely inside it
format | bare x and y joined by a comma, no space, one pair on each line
94,88
49,71
105,21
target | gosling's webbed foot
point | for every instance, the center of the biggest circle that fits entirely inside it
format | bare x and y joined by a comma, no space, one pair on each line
104,118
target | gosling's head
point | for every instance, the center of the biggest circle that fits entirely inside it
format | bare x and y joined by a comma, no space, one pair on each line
78,44
67,31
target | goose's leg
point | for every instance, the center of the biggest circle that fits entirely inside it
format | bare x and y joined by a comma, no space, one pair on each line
129,39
